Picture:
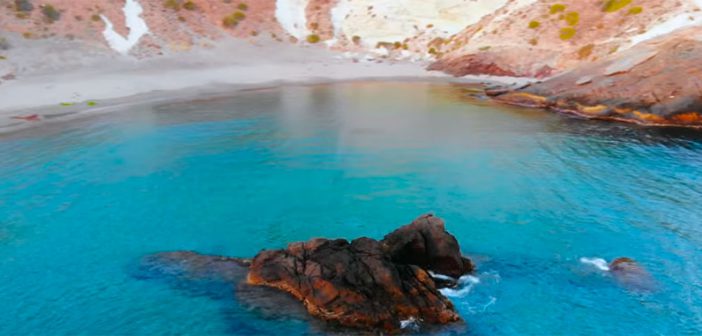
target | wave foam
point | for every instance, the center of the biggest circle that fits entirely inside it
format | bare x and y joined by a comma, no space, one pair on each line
600,263
465,285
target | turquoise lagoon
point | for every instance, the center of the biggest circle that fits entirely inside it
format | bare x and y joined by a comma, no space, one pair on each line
526,192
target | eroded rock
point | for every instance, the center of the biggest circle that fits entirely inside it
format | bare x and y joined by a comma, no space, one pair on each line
363,284
655,83
355,284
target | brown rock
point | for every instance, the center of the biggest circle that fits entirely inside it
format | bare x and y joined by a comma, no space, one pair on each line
426,243
654,83
368,284
631,274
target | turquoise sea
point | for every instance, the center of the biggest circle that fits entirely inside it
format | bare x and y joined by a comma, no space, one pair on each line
526,192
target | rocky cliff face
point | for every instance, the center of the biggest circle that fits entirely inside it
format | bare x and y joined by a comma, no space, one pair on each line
504,37
657,82
523,38
499,37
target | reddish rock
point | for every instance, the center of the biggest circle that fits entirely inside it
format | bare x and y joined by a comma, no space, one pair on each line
631,275
655,83
426,243
365,283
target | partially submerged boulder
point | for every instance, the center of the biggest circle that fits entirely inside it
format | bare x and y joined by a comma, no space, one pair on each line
369,284
426,243
363,284
631,274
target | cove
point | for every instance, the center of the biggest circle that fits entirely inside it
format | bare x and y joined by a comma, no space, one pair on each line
527,193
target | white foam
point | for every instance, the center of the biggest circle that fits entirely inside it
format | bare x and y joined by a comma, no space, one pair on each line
410,323
441,276
292,17
600,263
134,22
465,285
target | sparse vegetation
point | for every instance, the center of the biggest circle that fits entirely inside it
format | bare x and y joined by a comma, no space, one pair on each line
242,6
4,44
189,5
67,104
230,22
534,41
485,48
233,19
534,24
635,10
615,5
95,17
51,14
572,18
172,4
567,33
3,58
585,51
91,103
356,39
23,6
557,8
314,38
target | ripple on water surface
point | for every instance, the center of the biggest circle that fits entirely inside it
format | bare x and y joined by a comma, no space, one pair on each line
527,194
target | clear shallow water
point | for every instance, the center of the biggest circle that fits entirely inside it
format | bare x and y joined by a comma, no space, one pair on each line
527,194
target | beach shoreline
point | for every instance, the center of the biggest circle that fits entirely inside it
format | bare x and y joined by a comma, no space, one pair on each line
108,84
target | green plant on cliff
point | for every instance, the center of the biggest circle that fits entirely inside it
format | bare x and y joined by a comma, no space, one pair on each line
567,33
172,4
230,21
243,6
611,6
534,24
557,8
51,14
572,18
4,44
189,5
635,10
239,15
23,6
233,19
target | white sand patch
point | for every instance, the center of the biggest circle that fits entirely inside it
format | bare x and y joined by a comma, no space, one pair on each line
134,22
682,20
395,20
291,16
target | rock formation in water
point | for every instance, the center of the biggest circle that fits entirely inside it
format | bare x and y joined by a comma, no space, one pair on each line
631,275
363,284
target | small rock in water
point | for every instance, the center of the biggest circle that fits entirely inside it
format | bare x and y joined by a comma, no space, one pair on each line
632,275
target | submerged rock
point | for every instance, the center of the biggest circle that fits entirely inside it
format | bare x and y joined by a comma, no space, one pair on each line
363,284
631,275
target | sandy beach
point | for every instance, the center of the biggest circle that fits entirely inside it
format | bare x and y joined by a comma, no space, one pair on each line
75,83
